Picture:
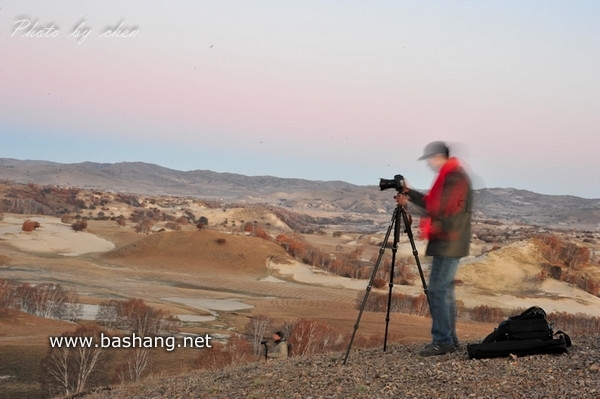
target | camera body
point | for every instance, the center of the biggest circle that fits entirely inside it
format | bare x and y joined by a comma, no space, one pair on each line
263,342
397,182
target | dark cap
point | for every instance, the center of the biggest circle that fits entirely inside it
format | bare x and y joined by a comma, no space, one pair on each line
433,148
280,333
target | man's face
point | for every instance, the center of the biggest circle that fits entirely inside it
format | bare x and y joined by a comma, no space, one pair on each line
436,162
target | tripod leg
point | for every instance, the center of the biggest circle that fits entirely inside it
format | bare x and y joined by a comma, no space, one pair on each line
371,280
415,252
391,284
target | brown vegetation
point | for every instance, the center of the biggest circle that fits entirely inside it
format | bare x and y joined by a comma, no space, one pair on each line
237,351
79,225
378,302
487,314
30,225
351,265
135,316
73,366
67,219
567,262
69,370
557,251
44,300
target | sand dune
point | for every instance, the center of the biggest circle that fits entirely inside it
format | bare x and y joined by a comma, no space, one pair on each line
51,237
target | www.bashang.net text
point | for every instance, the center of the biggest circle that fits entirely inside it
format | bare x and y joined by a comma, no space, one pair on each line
169,343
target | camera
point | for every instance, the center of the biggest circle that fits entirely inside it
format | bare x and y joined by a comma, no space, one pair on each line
263,342
397,182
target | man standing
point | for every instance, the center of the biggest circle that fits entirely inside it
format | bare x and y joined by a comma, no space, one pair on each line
447,227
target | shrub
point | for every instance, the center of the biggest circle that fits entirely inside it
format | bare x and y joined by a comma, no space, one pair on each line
80,225
484,313
379,283
202,221
309,337
66,219
144,226
237,351
30,225
175,226
248,228
261,233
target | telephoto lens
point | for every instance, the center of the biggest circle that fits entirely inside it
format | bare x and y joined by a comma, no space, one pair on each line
397,182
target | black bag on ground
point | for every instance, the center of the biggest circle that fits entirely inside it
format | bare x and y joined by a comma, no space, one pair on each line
528,333
531,324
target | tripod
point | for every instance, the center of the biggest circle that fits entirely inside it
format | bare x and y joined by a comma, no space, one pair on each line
400,215
264,343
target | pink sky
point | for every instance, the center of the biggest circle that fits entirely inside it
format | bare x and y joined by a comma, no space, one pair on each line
317,90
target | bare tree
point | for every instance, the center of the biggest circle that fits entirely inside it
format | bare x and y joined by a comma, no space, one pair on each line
6,297
309,336
255,331
68,367
47,300
135,366
135,316
306,335
73,309
142,319
144,226
575,255
107,315
58,371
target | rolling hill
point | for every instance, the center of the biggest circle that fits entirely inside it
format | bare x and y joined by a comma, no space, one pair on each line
304,196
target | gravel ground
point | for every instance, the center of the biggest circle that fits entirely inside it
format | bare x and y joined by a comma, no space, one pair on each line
397,373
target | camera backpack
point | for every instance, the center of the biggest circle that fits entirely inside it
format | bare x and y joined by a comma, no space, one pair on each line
528,333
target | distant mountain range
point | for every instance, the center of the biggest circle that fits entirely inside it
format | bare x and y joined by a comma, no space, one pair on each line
505,204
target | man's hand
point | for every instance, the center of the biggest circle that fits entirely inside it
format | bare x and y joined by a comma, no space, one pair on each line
401,199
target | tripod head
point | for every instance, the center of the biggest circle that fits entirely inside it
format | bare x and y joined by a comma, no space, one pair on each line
402,201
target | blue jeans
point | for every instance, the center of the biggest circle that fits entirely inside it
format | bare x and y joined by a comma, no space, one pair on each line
442,301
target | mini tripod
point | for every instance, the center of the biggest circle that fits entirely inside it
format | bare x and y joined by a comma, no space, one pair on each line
266,347
400,215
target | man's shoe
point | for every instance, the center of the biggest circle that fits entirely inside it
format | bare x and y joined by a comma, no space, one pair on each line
437,349
456,343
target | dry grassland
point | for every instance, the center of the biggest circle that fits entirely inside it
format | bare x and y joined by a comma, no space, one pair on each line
171,269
